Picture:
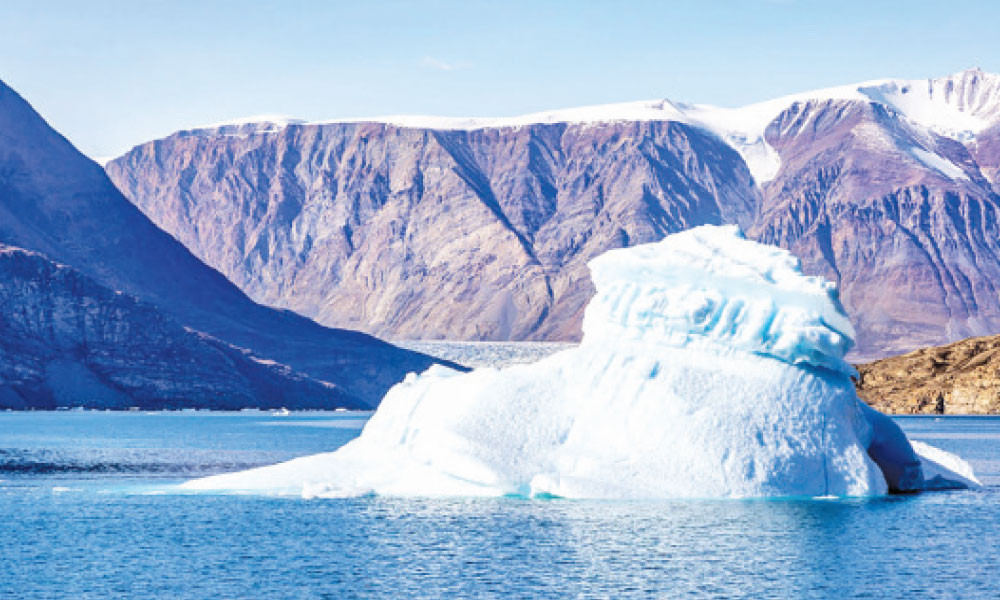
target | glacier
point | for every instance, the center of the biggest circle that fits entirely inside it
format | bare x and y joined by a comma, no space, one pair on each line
710,367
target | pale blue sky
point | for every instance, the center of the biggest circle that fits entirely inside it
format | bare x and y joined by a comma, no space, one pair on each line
110,74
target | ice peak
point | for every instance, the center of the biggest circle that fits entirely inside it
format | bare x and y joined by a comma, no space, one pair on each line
972,73
711,287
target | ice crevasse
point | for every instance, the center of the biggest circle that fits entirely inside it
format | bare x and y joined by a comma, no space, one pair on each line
710,367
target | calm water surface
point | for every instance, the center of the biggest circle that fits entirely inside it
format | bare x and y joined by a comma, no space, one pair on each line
86,512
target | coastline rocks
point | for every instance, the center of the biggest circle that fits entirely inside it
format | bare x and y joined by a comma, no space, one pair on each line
962,378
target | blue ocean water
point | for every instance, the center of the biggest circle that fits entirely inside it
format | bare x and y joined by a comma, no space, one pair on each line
86,512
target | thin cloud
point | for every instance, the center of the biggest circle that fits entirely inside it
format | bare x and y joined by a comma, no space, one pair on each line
437,64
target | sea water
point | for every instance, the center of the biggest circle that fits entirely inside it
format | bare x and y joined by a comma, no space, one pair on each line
88,510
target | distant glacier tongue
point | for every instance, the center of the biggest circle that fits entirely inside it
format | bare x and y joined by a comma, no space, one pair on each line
710,367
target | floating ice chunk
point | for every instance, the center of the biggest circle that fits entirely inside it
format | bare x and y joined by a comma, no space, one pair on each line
710,367
944,470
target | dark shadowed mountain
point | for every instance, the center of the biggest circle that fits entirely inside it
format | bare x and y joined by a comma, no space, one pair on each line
67,341
56,202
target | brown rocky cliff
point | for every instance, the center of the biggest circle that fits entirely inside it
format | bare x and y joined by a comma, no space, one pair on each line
959,378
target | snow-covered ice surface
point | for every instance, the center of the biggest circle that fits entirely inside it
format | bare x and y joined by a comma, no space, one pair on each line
958,106
709,367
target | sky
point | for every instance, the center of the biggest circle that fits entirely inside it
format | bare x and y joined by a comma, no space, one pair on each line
110,74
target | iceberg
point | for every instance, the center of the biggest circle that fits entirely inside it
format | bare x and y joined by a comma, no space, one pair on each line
710,366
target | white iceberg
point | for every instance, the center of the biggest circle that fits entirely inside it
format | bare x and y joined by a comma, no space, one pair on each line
710,367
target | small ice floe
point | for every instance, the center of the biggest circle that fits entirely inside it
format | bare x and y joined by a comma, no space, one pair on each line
347,423
710,367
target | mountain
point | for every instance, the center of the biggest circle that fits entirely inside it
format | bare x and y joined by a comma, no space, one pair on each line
431,227
424,233
68,341
56,202
959,378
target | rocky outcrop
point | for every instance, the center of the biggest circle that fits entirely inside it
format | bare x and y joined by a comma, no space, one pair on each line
962,378
67,341
55,201
480,229
986,150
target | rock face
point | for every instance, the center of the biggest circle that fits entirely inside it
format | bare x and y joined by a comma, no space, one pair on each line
55,201
419,233
479,229
962,378
68,341
901,217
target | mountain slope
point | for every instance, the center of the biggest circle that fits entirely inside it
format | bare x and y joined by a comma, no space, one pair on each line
480,228
67,341
901,217
55,201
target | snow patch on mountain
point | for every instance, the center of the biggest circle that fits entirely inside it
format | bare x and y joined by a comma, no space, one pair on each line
938,163
957,106
247,126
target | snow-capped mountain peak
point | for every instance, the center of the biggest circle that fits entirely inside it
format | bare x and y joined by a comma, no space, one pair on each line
957,106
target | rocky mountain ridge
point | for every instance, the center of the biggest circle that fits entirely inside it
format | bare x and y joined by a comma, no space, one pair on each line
422,227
